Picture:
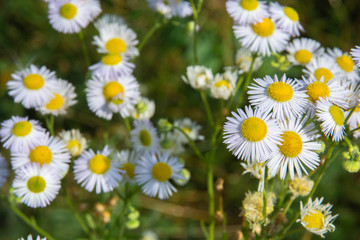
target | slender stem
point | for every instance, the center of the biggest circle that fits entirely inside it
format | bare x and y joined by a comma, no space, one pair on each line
149,34
191,142
350,113
77,215
288,203
210,188
49,119
207,108
265,192
122,214
238,83
84,48
127,124
204,230
194,33
247,80
355,129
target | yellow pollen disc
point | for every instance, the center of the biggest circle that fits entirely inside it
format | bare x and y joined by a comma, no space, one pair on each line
337,114
74,145
56,103
291,145
41,154
314,219
21,129
316,90
34,81
186,130
254,129
303,56
68,11
222,83
345,62
36,184
264,28
323,72
291,13
115,45
280,91
249,5
161,171
112,89
111,59
145,138
99,164
129,168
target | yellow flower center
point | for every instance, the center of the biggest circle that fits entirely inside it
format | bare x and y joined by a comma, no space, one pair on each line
337,114
254,129
116,45
74,147
36,184
34,81
99,164
161,171
112,89
291,13
56,103
21,129
345,62
111,59
303,56
264,28
314,219
291,145
186,130
316,90
68,11
222,83
249,5
129,168
41,154
145,138
280,91
323,72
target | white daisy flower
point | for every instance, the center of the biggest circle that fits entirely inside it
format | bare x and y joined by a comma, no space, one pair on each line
19,134
247,11
47,150
346,64
323,67
106,96
29,237
126,160
296,150
244,58
161,6
171,8
251,135
223,85
355,53
32,87
170,144
74,140
153,173
284,97
37,185
144,109
64,97
97,171
109,19
199,77
316,217
257,170
302,50
262,37
287,18
332,119
4,171
94,8
144,136
191,128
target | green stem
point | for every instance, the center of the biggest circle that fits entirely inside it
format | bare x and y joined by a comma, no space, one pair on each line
49,119
84,48
207,108
210,189
355,129
349,115
263,229
77,215
123,211
149,34
127,124
191,142
247,80
203,228
288,203
195,13
238,83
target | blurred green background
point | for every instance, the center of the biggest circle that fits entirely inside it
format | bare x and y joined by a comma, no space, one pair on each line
26,37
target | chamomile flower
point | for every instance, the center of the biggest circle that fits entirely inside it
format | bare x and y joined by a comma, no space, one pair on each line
346,63
106,96
97,171
94,8
191,128
332,119
126,161
75,142
144,137
296,150
161,6
316,217
355,53
19,134
171,8
287,18
302,50
246,11
37,185
32,87
283,98
244,59
199,77
48,150
251,135
223,85
153,173
323,67
144,109
4,171
29,237
262,37
109,19
64,97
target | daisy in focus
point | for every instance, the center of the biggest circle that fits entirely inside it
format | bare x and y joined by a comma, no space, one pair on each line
126,161
97,171
355,53
323,67
153,173
316,217
199,77
75,142
223,85
4,171
302,50
144,136
144,109
251,135
346,64
19,134
37,185
247,11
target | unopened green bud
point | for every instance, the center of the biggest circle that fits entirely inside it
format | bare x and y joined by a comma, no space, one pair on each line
133,215
351,166
346,155
141,107
164,125
185,177
166,143
132,224
322,149
90,221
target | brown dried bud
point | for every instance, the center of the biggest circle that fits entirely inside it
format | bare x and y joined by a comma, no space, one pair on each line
219,185
83,207
113,201
106,217
219,216
99,208
238,235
